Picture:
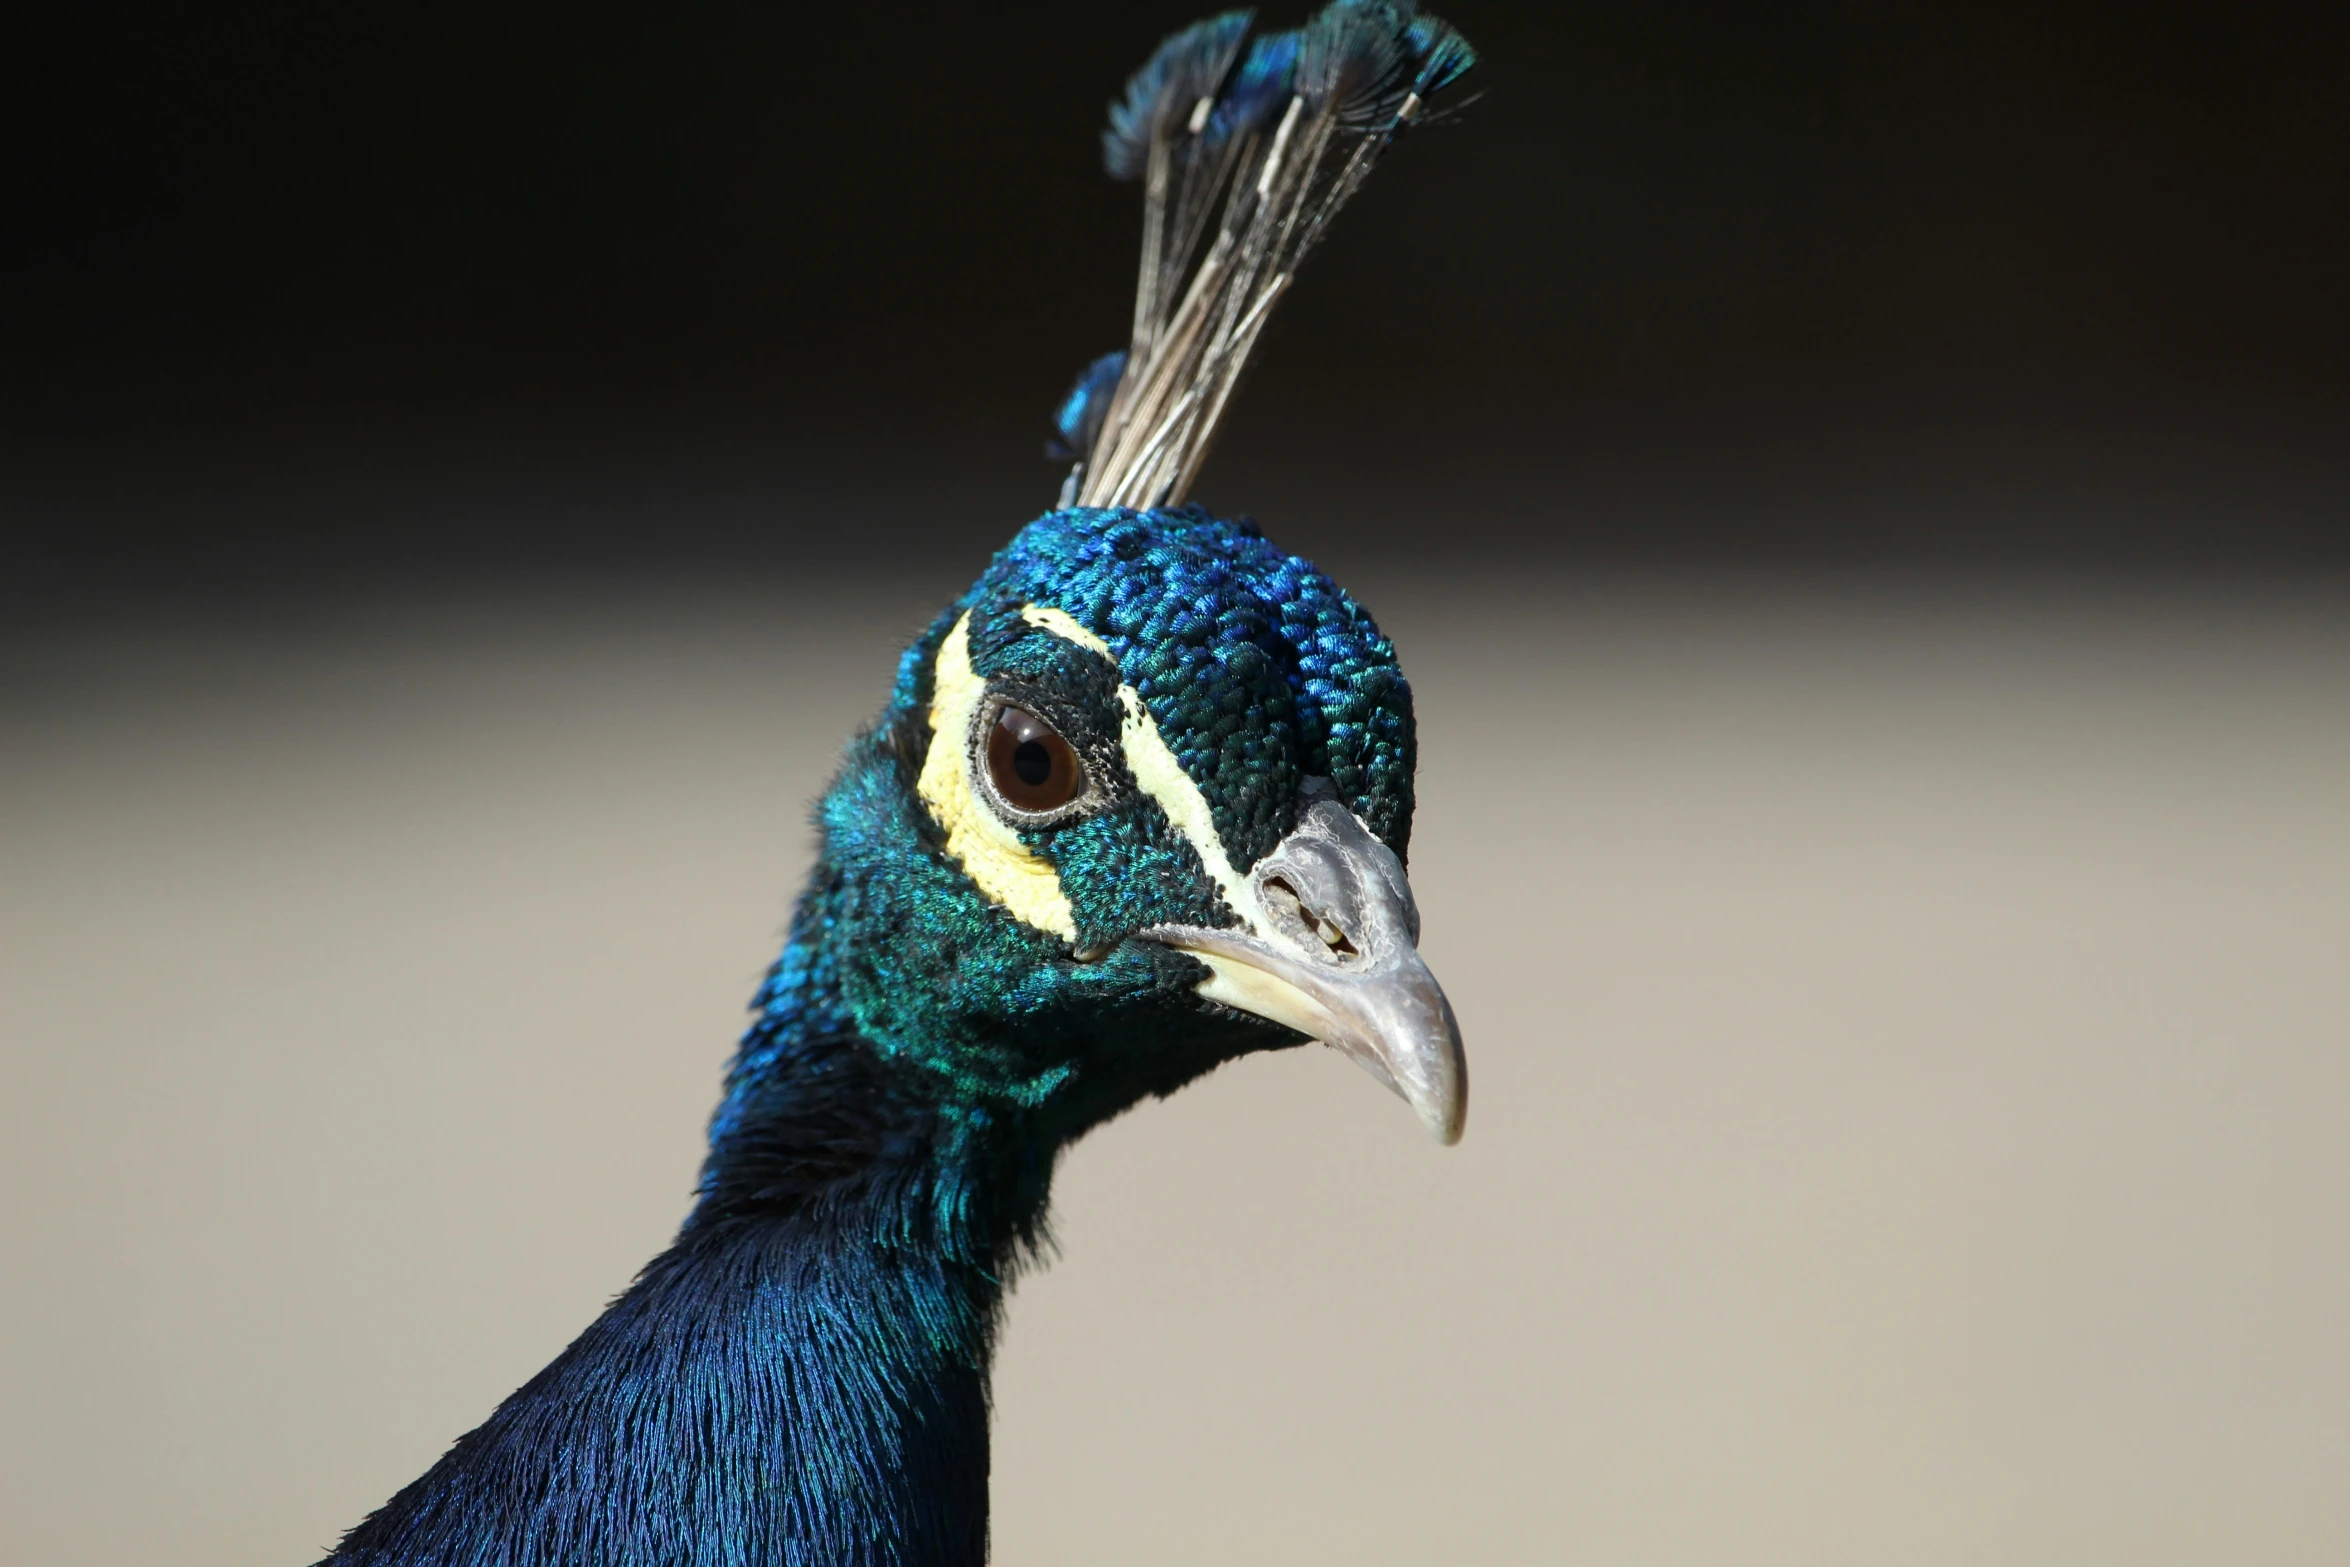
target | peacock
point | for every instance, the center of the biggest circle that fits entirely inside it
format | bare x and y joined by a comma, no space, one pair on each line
1138,805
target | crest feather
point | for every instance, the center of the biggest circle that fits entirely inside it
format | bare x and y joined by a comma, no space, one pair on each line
1244,160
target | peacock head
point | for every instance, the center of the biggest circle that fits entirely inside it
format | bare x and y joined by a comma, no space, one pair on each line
1140,805
1142,799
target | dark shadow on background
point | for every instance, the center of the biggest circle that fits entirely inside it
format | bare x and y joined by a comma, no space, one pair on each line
328,297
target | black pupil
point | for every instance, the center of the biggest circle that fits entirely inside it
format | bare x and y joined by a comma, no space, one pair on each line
1033,768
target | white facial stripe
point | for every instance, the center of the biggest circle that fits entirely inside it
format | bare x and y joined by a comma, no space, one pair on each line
1064,625
1159,775
1164,780
991,853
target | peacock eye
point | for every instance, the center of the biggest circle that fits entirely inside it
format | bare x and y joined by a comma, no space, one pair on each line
1031,766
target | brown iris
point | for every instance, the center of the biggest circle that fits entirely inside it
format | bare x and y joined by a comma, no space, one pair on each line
1032,767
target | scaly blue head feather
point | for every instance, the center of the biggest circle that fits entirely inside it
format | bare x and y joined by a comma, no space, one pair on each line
1258,668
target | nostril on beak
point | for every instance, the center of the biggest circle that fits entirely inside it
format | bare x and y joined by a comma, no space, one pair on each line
1288,907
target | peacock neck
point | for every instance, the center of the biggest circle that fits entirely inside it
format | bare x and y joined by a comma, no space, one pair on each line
866,1150
802,1376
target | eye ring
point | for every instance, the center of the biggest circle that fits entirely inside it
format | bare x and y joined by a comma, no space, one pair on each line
1034,775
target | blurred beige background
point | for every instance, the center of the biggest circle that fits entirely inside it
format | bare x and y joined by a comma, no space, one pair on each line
1909,1022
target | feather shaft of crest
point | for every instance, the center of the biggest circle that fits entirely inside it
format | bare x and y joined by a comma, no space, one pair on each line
1198,126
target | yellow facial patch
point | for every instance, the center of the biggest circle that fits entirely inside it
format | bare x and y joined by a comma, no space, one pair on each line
990,852
992,855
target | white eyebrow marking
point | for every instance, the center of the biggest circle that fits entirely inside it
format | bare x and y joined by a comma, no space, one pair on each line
1064,625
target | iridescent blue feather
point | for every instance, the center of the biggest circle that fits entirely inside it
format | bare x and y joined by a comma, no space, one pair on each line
1356,62
1259,88
1079,418
1187,66
1444,55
